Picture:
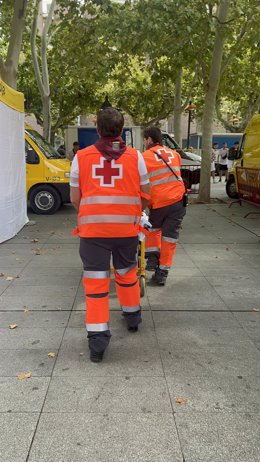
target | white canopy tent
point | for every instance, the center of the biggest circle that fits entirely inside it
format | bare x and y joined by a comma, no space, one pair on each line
13,204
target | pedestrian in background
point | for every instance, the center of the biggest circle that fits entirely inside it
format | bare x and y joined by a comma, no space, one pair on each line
74,151
213,159
233,154
167,208
109,185
223,162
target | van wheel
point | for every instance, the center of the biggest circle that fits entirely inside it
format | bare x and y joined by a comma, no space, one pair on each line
231,188
44,200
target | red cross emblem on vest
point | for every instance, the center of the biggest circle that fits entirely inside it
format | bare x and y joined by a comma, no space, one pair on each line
166,154
107,172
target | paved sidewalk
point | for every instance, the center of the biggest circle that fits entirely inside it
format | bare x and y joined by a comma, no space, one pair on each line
186,387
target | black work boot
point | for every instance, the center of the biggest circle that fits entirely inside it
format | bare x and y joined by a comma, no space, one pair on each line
152,261
133,319
160,276
98,342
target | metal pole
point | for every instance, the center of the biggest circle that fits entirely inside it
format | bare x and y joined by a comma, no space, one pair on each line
189,122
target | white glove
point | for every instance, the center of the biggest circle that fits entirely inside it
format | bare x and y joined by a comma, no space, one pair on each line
144,223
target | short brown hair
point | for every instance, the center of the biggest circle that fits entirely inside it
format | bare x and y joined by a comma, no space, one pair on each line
154,133
110,122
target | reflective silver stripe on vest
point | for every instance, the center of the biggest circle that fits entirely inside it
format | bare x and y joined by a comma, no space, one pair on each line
170,179
154,230
124,271
152,249
96,274
97,327
169,239
87,219
144,177
131,309
128,200
160,171
163,267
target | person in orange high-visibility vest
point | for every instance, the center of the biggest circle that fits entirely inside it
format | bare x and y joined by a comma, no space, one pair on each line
167,204
109,188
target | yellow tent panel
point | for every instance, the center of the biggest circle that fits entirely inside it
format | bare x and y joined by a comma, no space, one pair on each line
11,97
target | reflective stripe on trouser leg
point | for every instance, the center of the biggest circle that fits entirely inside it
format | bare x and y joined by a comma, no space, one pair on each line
128,290
97,304
153,242
167,254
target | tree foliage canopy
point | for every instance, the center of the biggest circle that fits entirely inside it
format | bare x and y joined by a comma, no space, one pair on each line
137,52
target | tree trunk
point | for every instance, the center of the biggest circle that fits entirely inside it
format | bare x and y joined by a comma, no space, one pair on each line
210,101
52,137
46,110
177,110
43,78
8,69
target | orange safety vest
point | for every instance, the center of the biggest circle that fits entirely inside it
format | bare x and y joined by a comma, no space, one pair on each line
110,203
166,189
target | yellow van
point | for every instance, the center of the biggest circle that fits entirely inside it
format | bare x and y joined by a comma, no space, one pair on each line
47,175
248,154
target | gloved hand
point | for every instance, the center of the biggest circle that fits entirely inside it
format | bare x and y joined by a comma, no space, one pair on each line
145,224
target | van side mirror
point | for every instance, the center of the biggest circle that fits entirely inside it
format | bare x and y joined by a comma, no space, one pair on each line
32,157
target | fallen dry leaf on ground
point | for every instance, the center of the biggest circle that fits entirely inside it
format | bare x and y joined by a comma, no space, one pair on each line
51,354
1,275
256,309
26,310
180,401
34,240
38,252
12,326
81,354
24,376
9,278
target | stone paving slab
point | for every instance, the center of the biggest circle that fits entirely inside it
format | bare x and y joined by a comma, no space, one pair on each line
202,337
34,319
113,437
49,277
31,338
186,272
58,292
61,261
14,261
17,432
196,293
100,395
219,437
248,320
22,395
224,360
46,302
198,320
217,269
215,393
36,362
237,294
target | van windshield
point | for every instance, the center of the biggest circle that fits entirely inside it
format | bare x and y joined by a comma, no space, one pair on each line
44,146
